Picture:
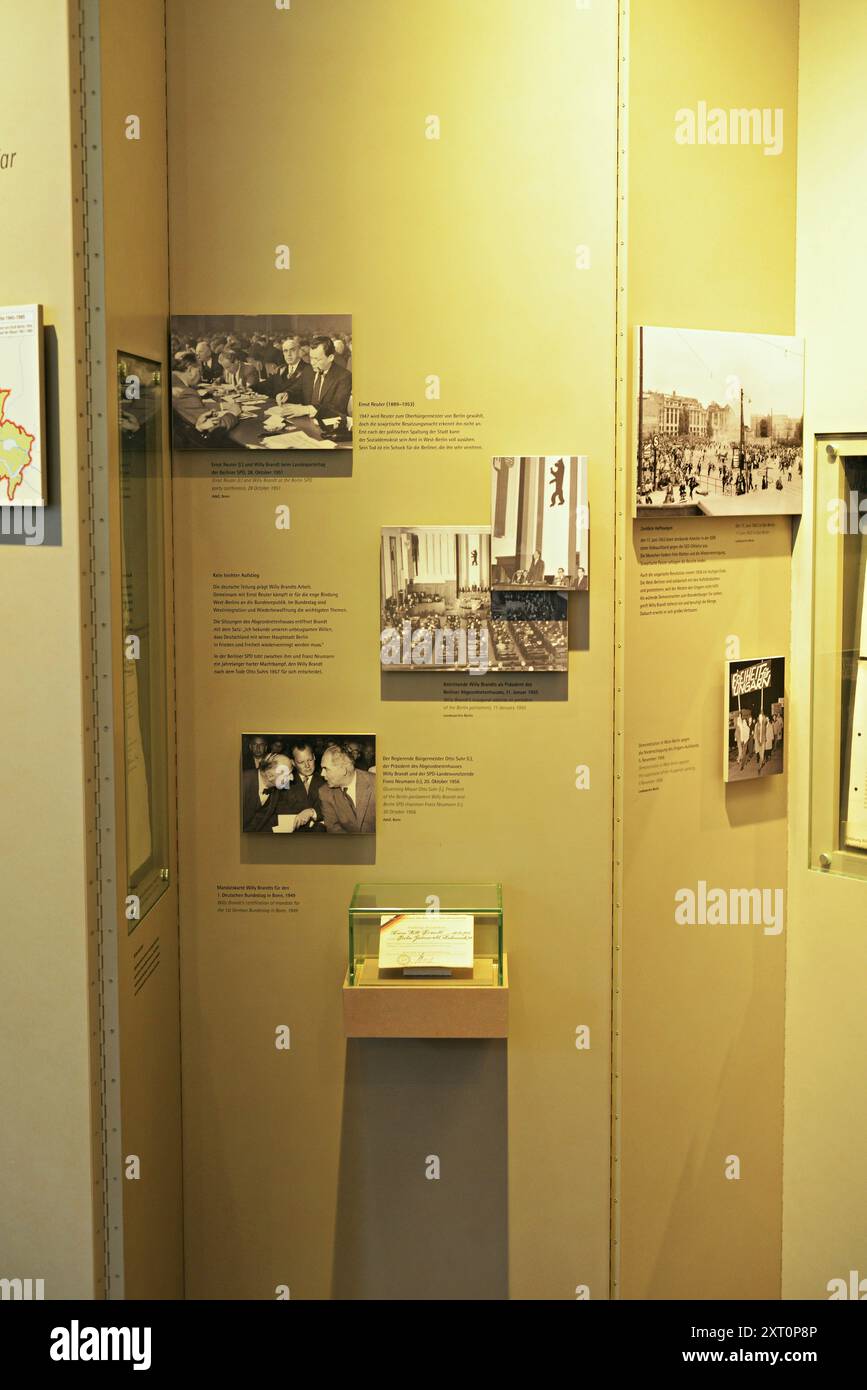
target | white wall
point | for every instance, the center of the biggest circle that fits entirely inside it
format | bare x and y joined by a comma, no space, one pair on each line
825,1145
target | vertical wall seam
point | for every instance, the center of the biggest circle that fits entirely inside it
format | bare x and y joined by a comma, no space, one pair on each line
171,636
621,524
98,645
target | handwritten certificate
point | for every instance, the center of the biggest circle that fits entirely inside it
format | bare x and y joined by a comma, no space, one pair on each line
421,940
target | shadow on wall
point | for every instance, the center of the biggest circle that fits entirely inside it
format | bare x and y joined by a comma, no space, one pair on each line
307,849
401,1234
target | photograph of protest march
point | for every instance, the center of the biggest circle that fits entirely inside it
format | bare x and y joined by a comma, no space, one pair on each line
540,522
276,381
719,422
754,718
320,784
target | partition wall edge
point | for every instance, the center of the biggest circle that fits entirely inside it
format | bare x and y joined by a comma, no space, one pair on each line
621,531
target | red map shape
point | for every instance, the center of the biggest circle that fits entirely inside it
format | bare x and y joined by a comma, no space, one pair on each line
10,429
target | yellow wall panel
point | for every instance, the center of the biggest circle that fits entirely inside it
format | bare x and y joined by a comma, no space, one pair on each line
455,257
824,1222
46,1225
710,245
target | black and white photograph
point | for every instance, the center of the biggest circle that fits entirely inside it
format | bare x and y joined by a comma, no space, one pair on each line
540,522
435,590
302,784
275,381
529,631
755,709
719,422
438,611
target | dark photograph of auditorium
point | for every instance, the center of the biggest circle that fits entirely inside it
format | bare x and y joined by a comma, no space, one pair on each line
277,381
320,784
529,631
540,523
435,585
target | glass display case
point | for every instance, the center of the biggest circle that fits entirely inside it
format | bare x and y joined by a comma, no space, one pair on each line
142,501
838,812
430,934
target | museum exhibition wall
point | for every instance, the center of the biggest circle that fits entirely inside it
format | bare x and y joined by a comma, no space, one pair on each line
701,1059
46,1159
449,810
427,243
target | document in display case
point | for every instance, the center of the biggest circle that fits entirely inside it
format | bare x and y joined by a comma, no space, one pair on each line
426,960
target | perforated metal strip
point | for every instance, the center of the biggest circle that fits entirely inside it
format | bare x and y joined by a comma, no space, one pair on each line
98,638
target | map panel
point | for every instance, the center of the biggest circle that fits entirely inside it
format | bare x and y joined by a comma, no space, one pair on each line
21,407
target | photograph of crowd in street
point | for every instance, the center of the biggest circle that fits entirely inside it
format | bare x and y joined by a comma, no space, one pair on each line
308,783
719,422
755,718
278,381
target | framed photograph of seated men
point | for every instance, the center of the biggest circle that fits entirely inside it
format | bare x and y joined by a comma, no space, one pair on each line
271,381
755,709
540,523
718,423
308,784
435,598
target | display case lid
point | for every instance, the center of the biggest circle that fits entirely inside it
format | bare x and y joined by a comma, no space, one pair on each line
416,897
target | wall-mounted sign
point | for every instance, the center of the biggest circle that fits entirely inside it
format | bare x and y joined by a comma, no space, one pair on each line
22,481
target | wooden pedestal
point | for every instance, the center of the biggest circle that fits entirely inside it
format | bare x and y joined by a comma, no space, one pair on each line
418,1008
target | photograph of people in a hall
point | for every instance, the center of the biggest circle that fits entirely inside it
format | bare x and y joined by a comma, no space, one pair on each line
435,588
719,422
540,522
278,381
755,718
308,783
529,630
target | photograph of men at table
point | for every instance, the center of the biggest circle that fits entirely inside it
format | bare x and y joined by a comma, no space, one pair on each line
302,783
269,381
318,387
540,522
196,422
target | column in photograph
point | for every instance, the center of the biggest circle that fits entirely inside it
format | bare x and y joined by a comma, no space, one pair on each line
462,562
484,548
386,568
409,561
427,556
573,502
523,546
539,539
502,473
445,567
